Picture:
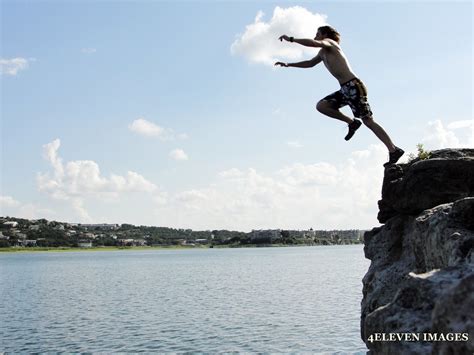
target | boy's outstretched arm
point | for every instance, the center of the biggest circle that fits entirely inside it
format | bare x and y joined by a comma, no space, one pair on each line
304,64
307,41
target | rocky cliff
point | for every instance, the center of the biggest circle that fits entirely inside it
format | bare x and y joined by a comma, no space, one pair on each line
418,294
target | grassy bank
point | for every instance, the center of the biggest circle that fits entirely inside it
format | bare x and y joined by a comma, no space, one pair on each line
69,249
163,247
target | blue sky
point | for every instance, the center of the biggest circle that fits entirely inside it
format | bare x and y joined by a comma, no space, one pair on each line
168,113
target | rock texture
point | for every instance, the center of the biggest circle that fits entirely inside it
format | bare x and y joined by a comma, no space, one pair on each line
412,188
421,277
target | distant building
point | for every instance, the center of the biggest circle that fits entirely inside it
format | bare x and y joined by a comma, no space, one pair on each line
125,242
310,233
28,243
89,235
85,244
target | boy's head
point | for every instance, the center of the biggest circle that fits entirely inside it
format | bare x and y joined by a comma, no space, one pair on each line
327,32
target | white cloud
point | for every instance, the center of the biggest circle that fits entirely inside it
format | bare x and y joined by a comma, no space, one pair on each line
298,196
81,212
457,134
191,195
88,50
160,198
461,124
77,180
8,201
312,174
322,195
50,151
231,173
178,154
192,199
294,144
259,43
9,206
146,128
132,182
14,65
34,211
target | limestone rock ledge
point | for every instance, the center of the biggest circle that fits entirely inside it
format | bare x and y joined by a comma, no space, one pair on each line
421,277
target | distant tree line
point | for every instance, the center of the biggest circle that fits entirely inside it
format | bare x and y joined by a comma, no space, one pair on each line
43,233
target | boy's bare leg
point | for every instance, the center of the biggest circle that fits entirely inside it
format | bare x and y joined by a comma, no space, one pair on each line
327,109
380,133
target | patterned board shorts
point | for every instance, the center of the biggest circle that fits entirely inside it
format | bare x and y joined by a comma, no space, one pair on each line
354,94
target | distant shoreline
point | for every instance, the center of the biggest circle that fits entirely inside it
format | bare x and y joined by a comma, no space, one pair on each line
71,249
164,247
43,235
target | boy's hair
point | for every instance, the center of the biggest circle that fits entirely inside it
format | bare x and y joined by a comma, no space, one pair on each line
330,32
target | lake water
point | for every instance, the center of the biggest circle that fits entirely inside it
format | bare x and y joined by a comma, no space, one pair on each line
296,299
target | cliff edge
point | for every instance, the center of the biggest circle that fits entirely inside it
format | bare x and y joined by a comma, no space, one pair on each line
418,294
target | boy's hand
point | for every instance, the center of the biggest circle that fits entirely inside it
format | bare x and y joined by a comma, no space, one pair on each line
281,64
284,37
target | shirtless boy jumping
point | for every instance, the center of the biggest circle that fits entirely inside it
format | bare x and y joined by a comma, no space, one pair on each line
353,92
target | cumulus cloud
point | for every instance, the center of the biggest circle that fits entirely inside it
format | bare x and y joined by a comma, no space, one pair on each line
311,174
259,42
322,195
178,154
457,134
75,181
147,128
14,65
297,196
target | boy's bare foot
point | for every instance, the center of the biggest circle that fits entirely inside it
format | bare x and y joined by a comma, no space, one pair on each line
353,127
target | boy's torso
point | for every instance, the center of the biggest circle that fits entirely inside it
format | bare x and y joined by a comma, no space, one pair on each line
336,62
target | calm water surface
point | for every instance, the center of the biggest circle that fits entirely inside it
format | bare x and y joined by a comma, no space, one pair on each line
298,299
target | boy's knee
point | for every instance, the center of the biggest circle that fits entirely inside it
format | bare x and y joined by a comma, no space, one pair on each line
322,106
368,120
